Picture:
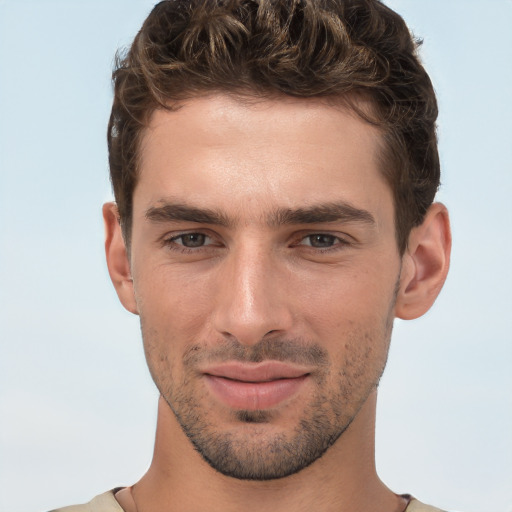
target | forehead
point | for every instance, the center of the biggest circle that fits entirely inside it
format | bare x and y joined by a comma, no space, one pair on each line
283,151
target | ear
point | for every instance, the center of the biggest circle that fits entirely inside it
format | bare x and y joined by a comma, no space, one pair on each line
425,264
117,258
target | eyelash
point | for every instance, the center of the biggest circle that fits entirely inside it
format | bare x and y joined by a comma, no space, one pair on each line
338,242
170,242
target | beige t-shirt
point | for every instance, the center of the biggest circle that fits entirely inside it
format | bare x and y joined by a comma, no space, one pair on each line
107,503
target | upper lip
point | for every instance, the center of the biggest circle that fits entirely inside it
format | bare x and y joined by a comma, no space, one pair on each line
256,372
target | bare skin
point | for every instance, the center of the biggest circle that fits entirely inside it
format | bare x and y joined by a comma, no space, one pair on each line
264,267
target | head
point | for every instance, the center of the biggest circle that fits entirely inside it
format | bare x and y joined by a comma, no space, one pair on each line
358,53
274,167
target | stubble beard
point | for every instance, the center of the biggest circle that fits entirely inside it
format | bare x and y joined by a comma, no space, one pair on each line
253,450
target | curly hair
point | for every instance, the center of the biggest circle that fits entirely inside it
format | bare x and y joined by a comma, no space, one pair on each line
335,49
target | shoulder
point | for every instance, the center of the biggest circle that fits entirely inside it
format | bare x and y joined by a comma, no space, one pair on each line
103,503
417,506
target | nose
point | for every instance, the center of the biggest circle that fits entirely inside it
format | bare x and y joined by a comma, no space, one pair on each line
252,299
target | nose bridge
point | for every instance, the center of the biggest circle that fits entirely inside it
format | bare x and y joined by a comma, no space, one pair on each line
250,304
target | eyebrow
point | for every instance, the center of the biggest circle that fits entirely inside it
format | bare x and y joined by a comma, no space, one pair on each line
169,212
315,214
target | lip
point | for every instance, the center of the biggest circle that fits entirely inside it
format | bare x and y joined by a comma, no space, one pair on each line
254,386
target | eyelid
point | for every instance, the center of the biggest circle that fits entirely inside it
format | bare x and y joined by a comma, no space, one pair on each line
182,232
170,240
341,242
213,239
341,237
181,235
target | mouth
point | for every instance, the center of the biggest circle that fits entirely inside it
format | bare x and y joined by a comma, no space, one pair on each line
255,386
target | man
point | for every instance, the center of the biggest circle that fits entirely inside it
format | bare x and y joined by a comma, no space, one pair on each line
274,165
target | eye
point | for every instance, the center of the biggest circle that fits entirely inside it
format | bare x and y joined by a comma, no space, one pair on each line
322,241
191,240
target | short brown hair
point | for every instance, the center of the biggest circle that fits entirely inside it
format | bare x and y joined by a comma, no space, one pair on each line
304,48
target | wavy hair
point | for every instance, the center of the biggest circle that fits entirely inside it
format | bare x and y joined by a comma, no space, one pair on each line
341,50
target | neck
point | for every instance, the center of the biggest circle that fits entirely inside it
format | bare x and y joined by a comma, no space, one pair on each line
343,479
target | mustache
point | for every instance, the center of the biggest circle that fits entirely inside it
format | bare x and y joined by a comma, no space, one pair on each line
294,351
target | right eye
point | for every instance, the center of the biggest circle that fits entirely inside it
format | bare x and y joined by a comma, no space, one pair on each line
191,240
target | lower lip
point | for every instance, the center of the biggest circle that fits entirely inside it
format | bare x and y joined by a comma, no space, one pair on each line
253,396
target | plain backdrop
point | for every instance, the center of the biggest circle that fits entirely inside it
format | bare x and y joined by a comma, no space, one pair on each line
77,406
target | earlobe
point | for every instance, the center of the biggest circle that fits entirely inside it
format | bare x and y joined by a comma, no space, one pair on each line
117,258
425,264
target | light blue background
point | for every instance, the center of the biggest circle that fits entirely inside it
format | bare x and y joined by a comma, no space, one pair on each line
77,406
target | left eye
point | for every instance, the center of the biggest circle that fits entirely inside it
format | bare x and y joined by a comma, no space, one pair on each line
321,241
191,240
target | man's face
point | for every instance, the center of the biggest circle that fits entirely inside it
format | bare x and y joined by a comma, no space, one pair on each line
265,268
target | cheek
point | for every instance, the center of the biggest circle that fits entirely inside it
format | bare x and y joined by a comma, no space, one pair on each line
364,353
347,300
351,316
174,303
